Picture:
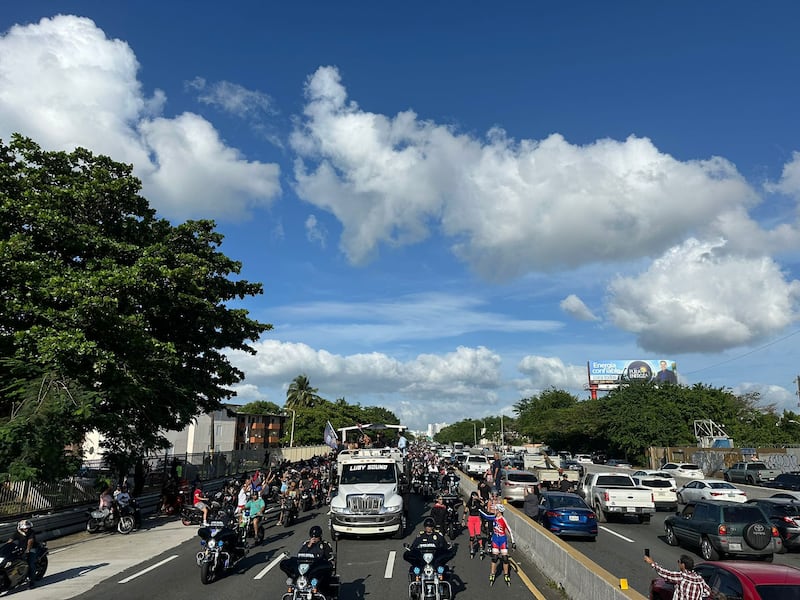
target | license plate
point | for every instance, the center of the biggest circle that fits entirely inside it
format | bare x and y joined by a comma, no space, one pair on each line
733,546
632,509
732,494
574,518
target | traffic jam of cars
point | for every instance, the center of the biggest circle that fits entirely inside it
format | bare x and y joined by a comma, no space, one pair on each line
734,536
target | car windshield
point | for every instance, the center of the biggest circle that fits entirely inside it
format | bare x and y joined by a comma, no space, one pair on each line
757,467
778,592
742,514
368,473
567,502
656,483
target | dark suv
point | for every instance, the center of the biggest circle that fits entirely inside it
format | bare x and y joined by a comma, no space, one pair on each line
720,528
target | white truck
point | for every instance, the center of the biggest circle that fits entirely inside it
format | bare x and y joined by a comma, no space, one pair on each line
546,470
616,494
371,493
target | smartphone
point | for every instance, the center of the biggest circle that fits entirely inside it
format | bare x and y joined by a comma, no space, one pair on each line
647,551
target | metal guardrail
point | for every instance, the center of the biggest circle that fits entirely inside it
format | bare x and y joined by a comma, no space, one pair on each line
73,520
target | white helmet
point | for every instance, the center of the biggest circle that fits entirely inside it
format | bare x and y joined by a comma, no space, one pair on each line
24,525
500,508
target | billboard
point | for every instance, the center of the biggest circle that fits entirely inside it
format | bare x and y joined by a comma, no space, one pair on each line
606,373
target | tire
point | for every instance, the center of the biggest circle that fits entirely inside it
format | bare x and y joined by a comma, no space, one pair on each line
601,516
768,558
680,499
125,525
401,531
186,521
645,519
751,481
41,568
672,539
707,550
758,535
207,574
92,526
726,477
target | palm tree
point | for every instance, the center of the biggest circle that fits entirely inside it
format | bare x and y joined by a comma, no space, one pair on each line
300,394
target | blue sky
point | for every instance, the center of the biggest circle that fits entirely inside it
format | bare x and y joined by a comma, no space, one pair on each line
451,208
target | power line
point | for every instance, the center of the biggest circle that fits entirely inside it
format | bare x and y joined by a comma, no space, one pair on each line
753,351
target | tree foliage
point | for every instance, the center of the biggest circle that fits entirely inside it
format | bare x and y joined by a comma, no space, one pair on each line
101,294
300,394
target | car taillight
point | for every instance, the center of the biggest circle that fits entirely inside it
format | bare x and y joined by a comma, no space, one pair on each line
722,530
788,520
605,496
775,532
652,497
551,513
717,493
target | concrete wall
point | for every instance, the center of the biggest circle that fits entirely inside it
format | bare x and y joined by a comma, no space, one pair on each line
578,576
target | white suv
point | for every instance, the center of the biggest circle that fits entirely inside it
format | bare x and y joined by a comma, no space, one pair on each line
476,465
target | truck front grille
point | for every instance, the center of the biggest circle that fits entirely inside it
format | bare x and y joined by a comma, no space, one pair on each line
365,503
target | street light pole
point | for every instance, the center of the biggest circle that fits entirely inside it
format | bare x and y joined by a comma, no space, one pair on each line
291,435
475,432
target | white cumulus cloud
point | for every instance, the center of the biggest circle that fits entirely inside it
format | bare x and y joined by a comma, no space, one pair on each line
64,84
575,307
698,297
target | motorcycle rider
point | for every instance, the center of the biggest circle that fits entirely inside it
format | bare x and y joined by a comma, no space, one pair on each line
122,496
200,500
25,539
428,540
106,501
439,514
256,507
317,549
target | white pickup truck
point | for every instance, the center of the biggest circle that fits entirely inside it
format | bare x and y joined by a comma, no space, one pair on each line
616,494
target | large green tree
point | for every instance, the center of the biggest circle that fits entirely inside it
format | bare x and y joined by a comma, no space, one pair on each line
100,293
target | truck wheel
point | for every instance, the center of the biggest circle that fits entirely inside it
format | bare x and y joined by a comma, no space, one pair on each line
750,480
726,477
644,519
401,531
601,516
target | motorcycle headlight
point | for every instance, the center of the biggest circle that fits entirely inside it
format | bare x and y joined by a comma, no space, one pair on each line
428,557
220,543
440,570
416,571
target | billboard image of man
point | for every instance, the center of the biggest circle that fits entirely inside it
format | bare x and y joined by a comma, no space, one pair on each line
665,374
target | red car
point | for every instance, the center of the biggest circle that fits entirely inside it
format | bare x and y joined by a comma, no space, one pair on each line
743,580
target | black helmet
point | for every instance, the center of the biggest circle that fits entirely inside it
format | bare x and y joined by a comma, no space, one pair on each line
315,531
428,522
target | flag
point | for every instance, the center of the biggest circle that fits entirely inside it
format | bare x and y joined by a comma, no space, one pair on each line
331,439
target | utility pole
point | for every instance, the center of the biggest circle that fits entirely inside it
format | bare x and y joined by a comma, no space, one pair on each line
798,390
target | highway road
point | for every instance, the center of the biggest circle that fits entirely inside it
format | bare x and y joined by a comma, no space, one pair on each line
620,545
158,562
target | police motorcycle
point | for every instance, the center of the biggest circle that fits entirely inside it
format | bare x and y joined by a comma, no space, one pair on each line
14,563
429,575
303,583
109,519
221,550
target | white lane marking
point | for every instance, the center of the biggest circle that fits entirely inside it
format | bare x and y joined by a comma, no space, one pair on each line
619,535
387,574
271,565
148,569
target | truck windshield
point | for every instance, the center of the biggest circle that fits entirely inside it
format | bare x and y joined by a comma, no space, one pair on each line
368,473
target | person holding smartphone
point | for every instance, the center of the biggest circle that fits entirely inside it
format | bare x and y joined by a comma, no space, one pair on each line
688,584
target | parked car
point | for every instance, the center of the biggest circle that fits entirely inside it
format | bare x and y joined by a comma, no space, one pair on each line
513,484
721,528
584,458
785,515
664,491
785,481
753,473
599,458
476,465
743,580
567,514
690,470
710,489
618,462
573,465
